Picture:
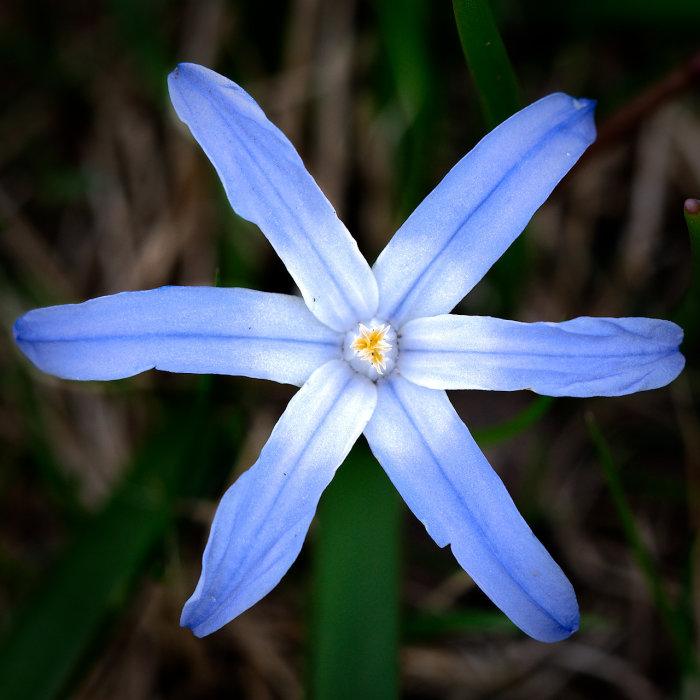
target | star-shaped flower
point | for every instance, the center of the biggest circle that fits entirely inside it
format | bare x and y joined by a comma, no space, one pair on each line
373,350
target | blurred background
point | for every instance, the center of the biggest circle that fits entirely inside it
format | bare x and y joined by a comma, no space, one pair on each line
107,490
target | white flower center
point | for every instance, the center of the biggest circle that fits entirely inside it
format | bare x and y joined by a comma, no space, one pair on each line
371,349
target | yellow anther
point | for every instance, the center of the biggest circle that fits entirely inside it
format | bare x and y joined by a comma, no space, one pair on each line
370,345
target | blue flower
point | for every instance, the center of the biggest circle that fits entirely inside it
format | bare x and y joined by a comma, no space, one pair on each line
373,350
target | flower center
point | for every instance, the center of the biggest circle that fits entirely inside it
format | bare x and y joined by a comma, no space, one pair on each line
371,345
371,349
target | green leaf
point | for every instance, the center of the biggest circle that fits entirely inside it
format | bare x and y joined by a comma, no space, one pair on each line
355,613
487,60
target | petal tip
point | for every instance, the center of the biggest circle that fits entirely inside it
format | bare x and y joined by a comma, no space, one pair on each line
583,103
548,615
198,617
182,67
584,109
175,74
17,330
557,628
197,630
21,332
561,635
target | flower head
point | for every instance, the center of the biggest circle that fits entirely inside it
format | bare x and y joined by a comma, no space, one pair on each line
373,350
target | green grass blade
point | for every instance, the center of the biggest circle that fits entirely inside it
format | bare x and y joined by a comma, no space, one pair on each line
689,312
412,87
516,425
497,88
676,625
355,608
487,59
423,626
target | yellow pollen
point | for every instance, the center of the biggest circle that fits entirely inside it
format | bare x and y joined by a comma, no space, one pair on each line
370,345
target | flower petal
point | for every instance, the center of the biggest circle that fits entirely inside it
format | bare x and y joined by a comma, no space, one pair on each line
262,519
179,329
582,357
267,183
446,481
449,242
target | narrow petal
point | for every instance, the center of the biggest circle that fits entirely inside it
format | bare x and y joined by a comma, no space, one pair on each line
262,519
449,242
209,330
446,481
267,183
582,357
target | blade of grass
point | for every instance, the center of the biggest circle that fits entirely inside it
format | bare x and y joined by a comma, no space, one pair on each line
497,87
426,625
689,318
516,425
678,627
688,314
355,606
404,28
140,25
487,59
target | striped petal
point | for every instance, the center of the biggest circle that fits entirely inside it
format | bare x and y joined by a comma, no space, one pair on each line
446,481
263,518
582,357
267,183
449,242
179,329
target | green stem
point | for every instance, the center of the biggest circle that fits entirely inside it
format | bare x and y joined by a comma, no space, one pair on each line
355,607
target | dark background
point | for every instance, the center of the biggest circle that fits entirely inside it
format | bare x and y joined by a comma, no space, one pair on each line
103,190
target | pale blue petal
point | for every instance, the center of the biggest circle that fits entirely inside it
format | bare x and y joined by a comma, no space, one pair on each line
582,357
267,183
446,481
179,329
449,242
262,519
